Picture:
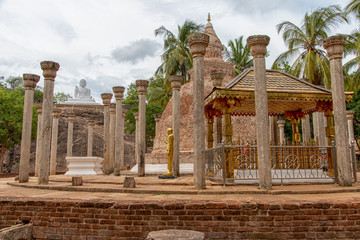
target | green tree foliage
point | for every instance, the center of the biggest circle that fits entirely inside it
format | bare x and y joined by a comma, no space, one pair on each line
239,53
60,97
304,44
352,67
13,82
355,105
132,100
11,117
159,91
177,58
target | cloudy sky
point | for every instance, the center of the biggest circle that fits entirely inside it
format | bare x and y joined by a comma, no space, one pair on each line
112,42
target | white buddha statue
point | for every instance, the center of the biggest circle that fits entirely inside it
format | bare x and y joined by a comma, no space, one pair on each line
82,92
82,95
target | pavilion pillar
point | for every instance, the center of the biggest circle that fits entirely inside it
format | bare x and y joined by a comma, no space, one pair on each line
335,47
49,72
141,86
175,81
119,130
38,138
198,43
70,137
296,136
106,99
229,165
54,140
306,133
350,124
319,128
30,81
281,126
91,125
210,135
217,78
330,134
112,136
257,46
136,116
273,130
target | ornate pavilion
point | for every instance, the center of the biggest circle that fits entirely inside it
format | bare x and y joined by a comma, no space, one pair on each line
288,96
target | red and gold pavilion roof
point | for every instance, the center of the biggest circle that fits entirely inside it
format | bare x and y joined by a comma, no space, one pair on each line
286,93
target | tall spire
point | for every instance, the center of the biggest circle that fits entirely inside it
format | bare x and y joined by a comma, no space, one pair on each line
214,49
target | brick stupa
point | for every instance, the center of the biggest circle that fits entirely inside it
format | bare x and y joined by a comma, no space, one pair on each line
244,127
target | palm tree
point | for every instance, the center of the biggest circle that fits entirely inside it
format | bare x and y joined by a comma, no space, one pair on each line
304,44
177,57
159,91
352,67
353,7
239,53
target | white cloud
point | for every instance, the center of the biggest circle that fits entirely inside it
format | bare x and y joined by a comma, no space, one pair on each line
112,43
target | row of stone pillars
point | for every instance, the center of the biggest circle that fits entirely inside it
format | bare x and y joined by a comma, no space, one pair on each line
47,132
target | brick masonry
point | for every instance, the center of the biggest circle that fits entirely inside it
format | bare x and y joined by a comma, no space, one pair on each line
92,220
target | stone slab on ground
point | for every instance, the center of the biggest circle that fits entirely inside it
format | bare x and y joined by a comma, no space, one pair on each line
17,232
185,168
175,234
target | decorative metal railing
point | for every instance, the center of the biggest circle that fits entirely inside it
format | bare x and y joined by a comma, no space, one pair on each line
238,163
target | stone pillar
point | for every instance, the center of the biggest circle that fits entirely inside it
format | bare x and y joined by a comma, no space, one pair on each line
306,133
38,138
112,136
350,119
257,46
49,72
281,126
157,118
176,85
217,78
119,130
335,47
136,116
198,43
122,143
70,137
106,99
30,81
91,125
141,88
54,140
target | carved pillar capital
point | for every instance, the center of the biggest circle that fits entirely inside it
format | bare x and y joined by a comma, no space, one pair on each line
49,69
334,46
30,81
217,78
175,81
141,86
350,115
198,43
118,92
257,45
106,98
136,116
56,113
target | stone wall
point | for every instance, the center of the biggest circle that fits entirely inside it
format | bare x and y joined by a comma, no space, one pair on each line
219,220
